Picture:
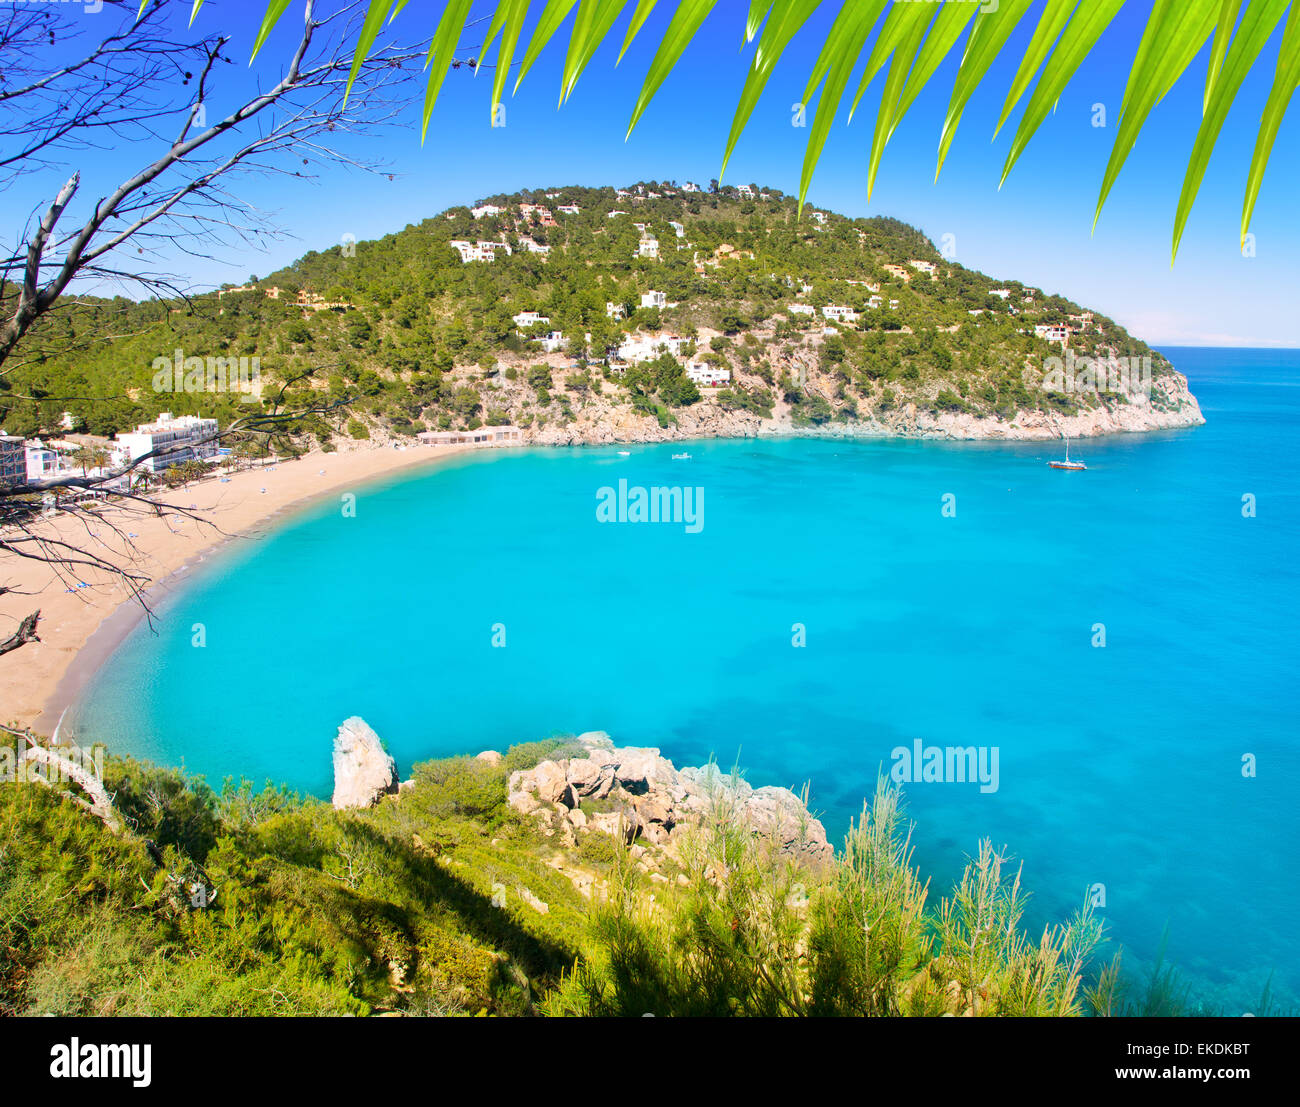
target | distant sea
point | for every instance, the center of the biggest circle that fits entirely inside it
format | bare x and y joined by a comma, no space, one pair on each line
1119,766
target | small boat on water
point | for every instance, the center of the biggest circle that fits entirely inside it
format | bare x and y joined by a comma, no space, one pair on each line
1072,466
624,453
681,457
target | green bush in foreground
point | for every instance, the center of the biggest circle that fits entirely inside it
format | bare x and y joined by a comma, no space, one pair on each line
446,901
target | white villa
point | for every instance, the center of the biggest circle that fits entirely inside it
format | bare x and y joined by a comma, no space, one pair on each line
569,209
186,437
922,266
480,251
678,227
745,190
1000,293
532,319
485,210
649,347
615,311
553,341
690,186
802,309
837,313
1053,332
654,299
706,375
649,248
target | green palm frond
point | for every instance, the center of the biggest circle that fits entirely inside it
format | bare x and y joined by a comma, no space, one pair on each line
911,42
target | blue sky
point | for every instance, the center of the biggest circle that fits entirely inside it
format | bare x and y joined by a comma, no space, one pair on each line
1036,229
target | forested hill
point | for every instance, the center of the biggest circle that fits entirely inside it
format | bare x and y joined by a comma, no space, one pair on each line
425,328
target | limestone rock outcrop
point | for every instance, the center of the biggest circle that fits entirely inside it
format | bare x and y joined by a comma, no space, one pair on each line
638,793
363,770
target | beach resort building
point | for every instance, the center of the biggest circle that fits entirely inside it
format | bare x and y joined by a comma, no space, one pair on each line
13,461
42,462
483,436
185,437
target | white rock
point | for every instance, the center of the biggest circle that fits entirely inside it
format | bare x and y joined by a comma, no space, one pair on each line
363,771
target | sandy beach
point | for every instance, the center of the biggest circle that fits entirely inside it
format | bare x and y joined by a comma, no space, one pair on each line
79,626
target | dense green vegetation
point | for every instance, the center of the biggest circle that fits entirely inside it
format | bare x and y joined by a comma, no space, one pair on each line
418,339
446,900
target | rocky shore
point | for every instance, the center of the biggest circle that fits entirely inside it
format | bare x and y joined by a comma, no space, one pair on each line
601,421
637,794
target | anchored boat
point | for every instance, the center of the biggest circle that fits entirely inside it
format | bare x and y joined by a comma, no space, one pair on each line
1067,463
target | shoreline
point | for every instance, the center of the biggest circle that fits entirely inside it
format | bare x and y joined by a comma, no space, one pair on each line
78,632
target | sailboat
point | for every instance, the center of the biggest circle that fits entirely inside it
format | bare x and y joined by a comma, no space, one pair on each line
1067,463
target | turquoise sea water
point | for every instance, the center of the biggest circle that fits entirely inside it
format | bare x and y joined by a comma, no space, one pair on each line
1118,765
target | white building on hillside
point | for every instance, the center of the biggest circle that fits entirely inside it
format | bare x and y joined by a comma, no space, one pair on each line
184,437
532,319
706,375
801,309
1054,332
649,248
654,299
837,313
485,211
615,311
481,251
651,346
